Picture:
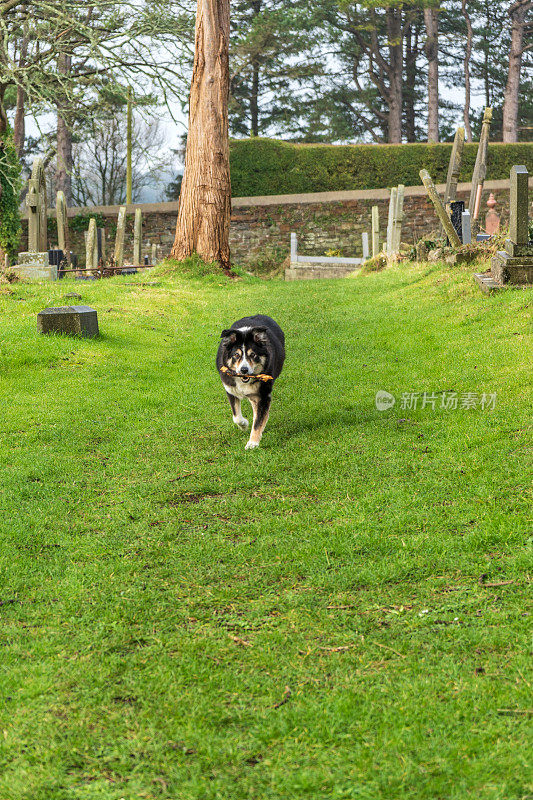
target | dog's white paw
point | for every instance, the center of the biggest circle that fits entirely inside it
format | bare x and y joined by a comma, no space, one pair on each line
242,423
251,445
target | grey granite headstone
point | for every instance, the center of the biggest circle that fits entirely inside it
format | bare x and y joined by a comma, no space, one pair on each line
466,227
514,265
70,320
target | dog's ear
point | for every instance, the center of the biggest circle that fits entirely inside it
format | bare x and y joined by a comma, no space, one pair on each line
260,335
228,336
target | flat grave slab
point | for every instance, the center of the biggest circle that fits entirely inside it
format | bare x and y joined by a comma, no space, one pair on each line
69,320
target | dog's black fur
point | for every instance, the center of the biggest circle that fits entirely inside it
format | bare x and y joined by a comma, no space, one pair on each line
252,345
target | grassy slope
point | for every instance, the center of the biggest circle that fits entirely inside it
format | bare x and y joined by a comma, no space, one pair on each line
161,587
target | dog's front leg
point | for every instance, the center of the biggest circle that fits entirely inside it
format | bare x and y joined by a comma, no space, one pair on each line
261,408
238,418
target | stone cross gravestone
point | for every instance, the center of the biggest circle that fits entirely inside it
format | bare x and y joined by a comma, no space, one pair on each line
514,265
34,264
69,320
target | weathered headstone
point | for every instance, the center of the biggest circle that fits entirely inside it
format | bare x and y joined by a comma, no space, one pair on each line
492,218
514,265
375,231
456,208
100,240
33,264
366,248
480,168
91,246
37,211
137,236
294,247
154,253
63,238
119,239
70,320
390,222
466,227
454,167
398,219
439,208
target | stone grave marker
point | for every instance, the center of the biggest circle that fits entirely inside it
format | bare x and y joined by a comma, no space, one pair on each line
91,246
375,231
366,248
137,236
398,219
480,168
466,227
439,208
514,265
34,264
69,320
390,222
154,253
119,240
454,167
456,208
63,237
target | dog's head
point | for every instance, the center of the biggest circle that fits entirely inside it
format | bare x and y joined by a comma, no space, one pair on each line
245,351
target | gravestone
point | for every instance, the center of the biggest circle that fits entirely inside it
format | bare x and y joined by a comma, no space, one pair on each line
457,207
69,320
91,246
118,256
375,231
466,227
480,168
454,167
137,236
33,264
390,221
100,241
439,208
514,265
154,253
63,238
366,249
398,219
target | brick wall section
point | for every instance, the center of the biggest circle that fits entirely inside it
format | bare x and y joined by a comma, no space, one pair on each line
261,227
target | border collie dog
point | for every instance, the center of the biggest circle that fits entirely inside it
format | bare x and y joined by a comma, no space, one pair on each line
252,346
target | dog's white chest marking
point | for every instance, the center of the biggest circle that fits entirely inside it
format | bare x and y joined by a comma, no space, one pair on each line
242,389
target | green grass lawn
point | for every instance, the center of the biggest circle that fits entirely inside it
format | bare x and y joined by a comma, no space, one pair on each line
340,614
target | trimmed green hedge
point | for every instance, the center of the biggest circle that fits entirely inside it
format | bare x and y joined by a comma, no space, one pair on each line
270,166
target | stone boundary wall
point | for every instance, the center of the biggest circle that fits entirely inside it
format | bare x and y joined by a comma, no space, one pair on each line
261,226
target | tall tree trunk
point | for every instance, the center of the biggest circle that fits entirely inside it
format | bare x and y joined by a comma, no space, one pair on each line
205,197
395,37
466,64
431,19
64,139
517,12
3,116
254,100
409,85
19,124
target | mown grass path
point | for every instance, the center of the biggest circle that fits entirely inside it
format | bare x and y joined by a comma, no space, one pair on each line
342,613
